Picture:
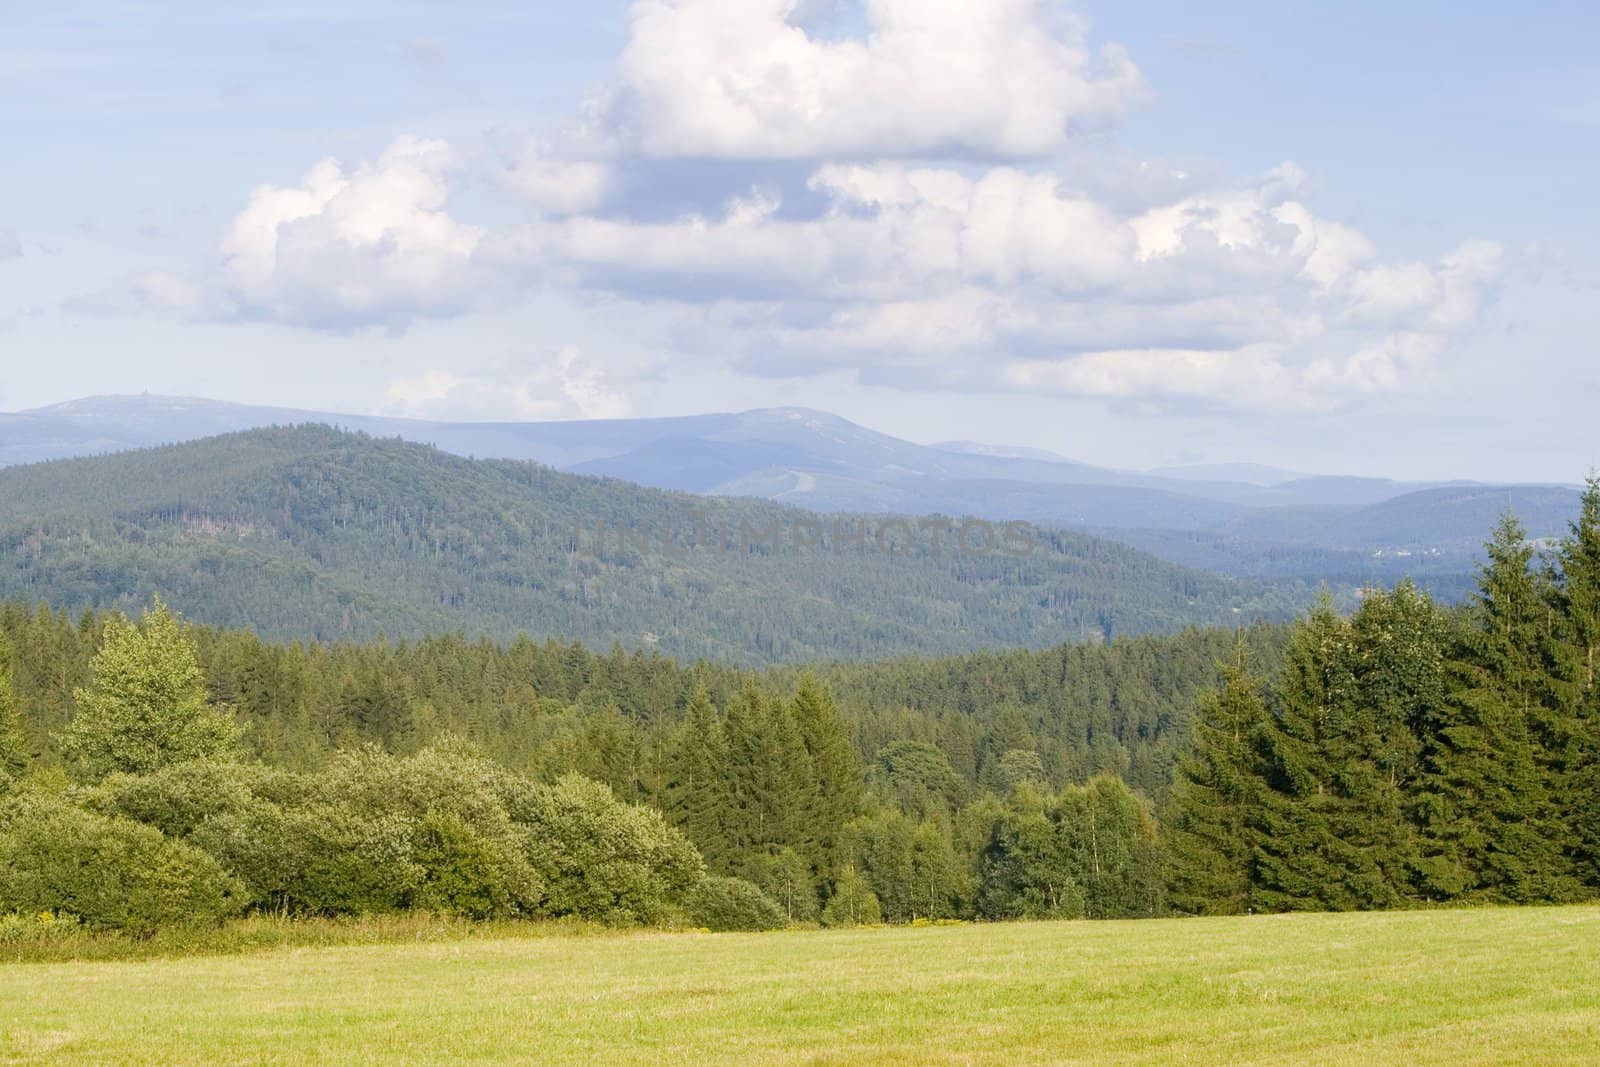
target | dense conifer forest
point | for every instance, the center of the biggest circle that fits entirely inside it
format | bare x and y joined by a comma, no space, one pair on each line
1398,756
313,534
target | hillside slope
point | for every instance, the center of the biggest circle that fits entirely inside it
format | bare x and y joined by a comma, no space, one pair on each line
313,533
1244,520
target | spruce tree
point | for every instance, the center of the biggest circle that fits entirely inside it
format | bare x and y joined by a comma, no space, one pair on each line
1577,601
1342,756
1490,820
1209,841
695,794
836,771
769,776
1301,863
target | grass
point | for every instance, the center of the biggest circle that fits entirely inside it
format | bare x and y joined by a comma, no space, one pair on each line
1443,987
44,942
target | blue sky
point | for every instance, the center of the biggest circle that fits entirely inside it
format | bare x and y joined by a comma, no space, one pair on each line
1352,239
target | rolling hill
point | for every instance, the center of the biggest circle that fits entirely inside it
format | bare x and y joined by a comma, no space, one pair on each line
310,532
1244,520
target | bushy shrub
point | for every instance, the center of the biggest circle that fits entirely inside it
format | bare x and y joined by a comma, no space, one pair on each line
464,873
732,904
444,831
112,873
375,832
438,819
601,858
319,859
178,798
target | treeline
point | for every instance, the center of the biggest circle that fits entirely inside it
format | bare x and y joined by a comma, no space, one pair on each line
1402,756
1405,756
763,815
915,795
546,708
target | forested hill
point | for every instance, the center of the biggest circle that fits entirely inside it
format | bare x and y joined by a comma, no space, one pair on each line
313,533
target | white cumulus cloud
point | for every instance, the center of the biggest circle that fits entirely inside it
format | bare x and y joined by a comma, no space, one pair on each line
366,244
1238,296
744,79
893,201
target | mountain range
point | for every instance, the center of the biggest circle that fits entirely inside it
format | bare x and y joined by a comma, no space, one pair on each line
1241,519
314,533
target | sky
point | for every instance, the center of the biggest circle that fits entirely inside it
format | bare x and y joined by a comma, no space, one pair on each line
1355,238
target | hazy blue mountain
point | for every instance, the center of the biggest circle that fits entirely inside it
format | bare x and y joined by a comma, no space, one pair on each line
721,453
1449,518
1106,506
978,448
1242,519
1434,536
732,445
1247,473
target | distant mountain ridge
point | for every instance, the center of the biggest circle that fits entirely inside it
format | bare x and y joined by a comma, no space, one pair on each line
310,532
1242,519
627,448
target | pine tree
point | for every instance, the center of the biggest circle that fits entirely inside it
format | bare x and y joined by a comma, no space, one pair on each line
1209,839
146,707
696,790
836,770
1490,822
769,776
1342,755
1300,861
1577,600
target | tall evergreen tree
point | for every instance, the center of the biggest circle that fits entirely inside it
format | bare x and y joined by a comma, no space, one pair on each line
1342,755
1489,817
1399,642
1577,599
769,776
695,793
835,767
1209,840
1301,862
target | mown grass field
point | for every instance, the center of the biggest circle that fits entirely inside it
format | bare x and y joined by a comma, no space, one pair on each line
1447,987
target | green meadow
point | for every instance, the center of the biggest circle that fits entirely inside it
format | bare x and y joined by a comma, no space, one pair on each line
1490,986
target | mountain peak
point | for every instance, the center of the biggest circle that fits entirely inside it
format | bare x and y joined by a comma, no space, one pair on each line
978,448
